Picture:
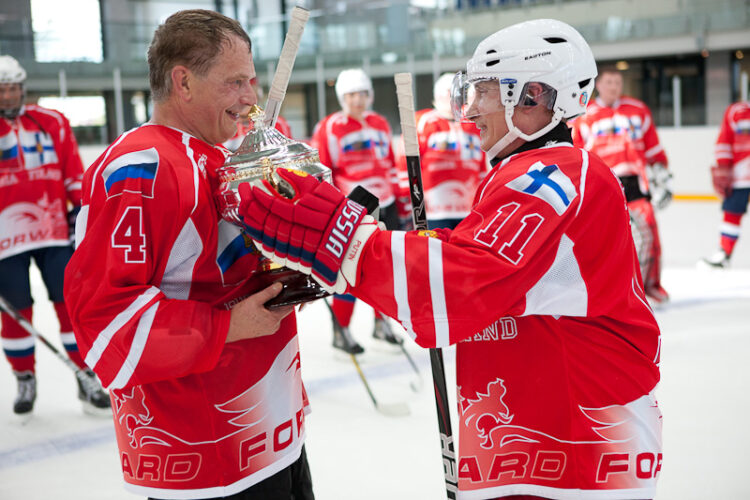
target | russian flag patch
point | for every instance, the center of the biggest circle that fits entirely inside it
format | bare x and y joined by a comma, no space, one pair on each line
133,173
548,183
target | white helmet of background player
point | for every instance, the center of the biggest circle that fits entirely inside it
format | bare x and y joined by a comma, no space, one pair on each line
12,77
441,95
353,80
546,51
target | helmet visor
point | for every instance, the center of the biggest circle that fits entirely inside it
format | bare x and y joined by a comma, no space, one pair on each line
473,98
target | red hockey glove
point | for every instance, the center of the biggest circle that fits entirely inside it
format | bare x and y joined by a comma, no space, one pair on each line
318,231
721,176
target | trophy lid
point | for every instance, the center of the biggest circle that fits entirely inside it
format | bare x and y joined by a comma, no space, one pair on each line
263,150
263,142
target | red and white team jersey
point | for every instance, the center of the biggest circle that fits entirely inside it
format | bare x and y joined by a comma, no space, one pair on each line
452,164
733,144
149,290
359,153
242,129
40,172
557,348
623,135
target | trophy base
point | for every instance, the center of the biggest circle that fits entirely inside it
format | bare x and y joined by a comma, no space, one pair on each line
298,288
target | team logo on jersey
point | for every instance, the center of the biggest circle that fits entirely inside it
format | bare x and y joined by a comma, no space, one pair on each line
487,412
548,183
365,140
132,173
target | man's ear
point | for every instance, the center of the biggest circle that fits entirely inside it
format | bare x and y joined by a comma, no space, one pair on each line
182,79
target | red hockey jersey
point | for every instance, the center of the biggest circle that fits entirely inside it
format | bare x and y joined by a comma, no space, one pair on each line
557,348
40,173
733,144
623,135
232,144
358,152
149,290
452,164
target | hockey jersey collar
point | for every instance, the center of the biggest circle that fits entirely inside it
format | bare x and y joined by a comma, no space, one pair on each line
561,133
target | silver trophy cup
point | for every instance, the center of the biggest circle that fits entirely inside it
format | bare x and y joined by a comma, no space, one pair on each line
262,152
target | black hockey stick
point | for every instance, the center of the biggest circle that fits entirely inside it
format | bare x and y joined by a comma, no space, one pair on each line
85,380
392,410
409,130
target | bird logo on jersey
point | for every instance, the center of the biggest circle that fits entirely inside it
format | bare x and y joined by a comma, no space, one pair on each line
132,173
548,183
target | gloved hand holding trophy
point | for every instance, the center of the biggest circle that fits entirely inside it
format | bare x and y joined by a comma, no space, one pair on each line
262,152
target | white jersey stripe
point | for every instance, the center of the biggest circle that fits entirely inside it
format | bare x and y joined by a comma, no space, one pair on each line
102,340
400,285
437,292
136,348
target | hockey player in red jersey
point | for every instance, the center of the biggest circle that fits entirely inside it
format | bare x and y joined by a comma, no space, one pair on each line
244,125
731,178
356,144
452,161
164,296
557,349
40,195
620,130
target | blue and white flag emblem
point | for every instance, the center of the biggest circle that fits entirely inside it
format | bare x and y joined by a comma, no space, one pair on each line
547,183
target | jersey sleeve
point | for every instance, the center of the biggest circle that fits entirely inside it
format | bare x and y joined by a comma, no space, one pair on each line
445,291
319,141
72,166
653,150
724,153
126,327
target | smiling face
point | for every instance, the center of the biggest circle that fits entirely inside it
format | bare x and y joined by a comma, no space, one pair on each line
212,103
487,112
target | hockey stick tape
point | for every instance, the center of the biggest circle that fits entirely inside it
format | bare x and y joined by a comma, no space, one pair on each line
406,112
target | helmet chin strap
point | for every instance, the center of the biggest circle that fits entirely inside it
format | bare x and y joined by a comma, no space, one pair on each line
514,132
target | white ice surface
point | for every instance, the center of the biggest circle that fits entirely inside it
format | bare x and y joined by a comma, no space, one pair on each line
355,452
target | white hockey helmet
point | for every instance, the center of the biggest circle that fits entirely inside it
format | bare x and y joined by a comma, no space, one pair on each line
11,72
441,94
546,51
353,80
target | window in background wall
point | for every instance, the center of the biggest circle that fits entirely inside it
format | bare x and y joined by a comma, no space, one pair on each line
66,31
87,116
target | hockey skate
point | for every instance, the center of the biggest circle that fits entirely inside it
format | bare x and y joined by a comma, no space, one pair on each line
95,400
343,340
719,260
24,402
382,331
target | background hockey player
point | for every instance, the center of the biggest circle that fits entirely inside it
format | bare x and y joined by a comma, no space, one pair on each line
244,125
356,144
557,348
164,299
452,161
40,195
620,130
731,178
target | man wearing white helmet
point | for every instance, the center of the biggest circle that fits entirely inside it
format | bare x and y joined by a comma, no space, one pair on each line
356,144
557,350
452,161
40,195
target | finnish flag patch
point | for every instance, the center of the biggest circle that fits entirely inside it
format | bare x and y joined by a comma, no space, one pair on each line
547,183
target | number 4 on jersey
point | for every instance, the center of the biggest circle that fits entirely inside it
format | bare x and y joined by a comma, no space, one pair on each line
128,234
511,249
